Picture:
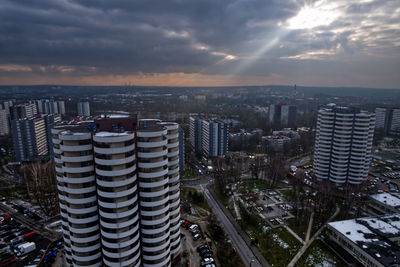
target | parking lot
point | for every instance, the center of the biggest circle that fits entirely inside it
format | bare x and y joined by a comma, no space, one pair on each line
21,246
200,253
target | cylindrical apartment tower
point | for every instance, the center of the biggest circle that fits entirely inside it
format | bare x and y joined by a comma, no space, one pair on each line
79,198
154,195
117,189
61,194
343,145
118,182
173,176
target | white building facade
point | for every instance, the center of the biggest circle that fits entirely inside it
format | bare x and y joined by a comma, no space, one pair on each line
130,180
343,145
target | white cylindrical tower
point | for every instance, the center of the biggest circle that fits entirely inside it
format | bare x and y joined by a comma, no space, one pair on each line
154,195
79,197
343,145
173,176
115,160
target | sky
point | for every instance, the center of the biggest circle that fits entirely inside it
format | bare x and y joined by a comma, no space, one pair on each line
200,42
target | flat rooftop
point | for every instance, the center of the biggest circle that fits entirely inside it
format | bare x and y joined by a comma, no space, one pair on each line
392,200
372,235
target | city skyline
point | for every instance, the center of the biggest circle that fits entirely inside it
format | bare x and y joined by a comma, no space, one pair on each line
208,43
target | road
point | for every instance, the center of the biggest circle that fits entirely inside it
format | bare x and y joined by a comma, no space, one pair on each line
28,222
240,245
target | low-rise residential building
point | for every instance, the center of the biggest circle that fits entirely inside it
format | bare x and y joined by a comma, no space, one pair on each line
385,203
373,241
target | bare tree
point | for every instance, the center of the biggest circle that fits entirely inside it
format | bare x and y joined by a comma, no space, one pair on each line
41,184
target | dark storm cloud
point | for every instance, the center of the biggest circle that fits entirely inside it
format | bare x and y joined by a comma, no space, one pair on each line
253,37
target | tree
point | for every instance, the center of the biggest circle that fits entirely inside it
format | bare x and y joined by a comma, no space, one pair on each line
41,183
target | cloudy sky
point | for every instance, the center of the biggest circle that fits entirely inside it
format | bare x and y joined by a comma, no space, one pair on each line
201,42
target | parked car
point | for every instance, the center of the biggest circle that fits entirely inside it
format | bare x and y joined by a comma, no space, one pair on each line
197,236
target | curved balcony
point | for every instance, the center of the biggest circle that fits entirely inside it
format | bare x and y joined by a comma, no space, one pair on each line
80,190
86,258
78,180
118,215
77,159
153,174
157,154
120,235
117,194
80,200
124,254
154,194
78,169
156,257
82,210
153,164
83,220
155,222
116,172
121,244
114,150
85,239
154,184
116,183
154,203
86,249
150,134
75,148
126,262
111,162
119,225
155,212
110,137
152,144
83,230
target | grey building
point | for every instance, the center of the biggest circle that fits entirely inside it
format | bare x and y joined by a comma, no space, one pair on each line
4,127
50,120
83,108
23,111
288,116
209,137
195,133
29,138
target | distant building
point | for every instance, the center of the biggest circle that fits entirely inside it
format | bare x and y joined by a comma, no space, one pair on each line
372,241
83,109
343,144
283,114
276,143
274,115
50,120
209,137
200,97
195,133
46,106
23,111
29,138
6,106
4,127
380,118
393,127
288,116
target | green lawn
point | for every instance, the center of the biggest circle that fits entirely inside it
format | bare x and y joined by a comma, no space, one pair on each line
319,255
194,197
